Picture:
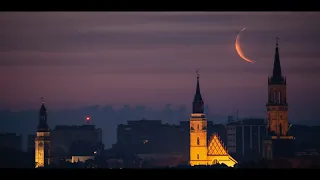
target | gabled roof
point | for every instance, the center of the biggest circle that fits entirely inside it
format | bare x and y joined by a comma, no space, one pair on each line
216,148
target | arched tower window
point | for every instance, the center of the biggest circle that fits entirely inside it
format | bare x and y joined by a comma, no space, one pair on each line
198,156
198,126
270,96
275,98
198,141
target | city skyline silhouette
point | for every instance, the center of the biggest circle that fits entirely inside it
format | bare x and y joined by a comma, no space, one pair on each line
77,60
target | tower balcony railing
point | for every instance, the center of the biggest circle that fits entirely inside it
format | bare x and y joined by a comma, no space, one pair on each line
272,80
270,103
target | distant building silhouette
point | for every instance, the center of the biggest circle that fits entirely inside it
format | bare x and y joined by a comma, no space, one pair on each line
11,154
11,141
42,141
152,143
230,119
306,137
31,143
31,138
245,138
219,129
68,141
150,136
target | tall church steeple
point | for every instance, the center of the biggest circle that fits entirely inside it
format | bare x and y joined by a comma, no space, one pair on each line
198,130
198,104
277,106
277,77
42,141
277,114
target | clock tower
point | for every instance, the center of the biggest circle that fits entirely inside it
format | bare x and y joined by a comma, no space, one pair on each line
42,141
198,130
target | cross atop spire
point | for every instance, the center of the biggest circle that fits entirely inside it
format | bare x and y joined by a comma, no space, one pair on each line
42,100
277,40
197,73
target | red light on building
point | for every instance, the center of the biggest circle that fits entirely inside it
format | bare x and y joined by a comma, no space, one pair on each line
88,119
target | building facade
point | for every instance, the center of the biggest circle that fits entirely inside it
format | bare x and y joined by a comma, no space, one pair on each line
245,138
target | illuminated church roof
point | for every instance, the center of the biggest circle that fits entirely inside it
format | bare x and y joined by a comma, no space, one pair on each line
216,148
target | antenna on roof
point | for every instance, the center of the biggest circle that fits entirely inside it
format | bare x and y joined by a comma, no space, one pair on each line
237,115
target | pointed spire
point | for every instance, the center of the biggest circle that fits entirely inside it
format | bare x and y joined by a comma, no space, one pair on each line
198,86
43,107
43,126
197,96
277,74
198,101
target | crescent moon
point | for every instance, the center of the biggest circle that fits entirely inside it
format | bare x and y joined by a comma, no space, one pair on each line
238,48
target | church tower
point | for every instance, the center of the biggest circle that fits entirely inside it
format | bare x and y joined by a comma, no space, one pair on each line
198,130
42,141
278,142
277,106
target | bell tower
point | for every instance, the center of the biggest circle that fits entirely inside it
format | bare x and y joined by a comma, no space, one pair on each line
278,143
277,106
42,141
198,130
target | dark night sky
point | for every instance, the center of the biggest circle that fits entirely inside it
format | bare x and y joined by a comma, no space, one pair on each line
149,58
